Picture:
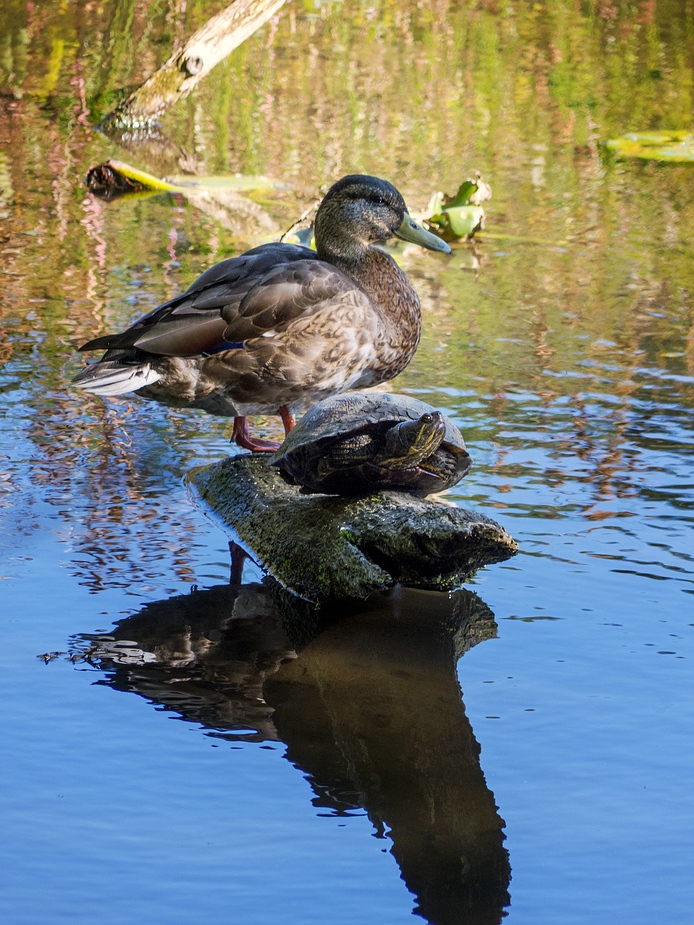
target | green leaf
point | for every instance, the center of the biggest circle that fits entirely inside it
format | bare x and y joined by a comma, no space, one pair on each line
676,147
462,197
462,221
139,179
462,215
459,221
114,178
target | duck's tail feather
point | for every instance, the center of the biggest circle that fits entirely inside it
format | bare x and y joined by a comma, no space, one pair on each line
113,377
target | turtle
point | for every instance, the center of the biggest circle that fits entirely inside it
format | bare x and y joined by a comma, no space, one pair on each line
359,442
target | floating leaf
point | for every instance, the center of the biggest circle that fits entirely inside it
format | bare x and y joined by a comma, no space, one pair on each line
461,221
435,207
676,147
462,197
471,193
462,215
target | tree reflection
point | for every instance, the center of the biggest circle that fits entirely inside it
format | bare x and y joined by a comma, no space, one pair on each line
366,698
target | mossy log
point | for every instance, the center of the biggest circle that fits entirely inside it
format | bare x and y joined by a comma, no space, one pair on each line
186,67
324,548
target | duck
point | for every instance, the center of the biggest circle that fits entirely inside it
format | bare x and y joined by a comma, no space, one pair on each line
280,327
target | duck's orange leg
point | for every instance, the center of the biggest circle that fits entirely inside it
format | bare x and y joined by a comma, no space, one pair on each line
287,419
241,436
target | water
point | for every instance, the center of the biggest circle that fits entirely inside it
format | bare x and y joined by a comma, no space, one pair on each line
342,776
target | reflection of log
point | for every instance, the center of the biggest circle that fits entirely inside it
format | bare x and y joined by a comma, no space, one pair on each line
371,711
203,50
245,218
326,547
369,707
152,147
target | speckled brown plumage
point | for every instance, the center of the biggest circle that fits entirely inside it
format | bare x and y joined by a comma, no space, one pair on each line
279,325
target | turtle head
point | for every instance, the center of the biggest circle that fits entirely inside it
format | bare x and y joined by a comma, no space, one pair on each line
409,443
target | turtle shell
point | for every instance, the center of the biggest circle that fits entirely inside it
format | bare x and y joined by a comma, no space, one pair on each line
361,415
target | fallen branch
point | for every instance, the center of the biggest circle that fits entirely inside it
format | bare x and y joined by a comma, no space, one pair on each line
324,548
186,67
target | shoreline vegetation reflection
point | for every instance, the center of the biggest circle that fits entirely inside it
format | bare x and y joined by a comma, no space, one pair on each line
589,319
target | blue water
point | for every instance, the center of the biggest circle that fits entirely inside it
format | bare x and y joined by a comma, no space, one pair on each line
581,705
169,754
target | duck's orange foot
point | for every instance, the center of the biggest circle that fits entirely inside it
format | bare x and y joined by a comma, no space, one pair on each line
241,437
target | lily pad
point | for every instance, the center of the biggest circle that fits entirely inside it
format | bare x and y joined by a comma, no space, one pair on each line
460,216
460,221
675,147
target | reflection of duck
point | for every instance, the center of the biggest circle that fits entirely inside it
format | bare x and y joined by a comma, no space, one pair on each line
367,702
279,327
204,656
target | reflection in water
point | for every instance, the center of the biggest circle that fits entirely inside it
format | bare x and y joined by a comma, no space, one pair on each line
562,343
570,359
366,700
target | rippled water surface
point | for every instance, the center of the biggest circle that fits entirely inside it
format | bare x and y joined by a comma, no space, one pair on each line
341,775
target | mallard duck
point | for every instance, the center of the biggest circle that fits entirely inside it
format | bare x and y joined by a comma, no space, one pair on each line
280,327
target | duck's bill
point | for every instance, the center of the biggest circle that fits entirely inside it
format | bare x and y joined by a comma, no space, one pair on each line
411,231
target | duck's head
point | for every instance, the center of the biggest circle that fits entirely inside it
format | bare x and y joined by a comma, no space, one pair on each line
359,211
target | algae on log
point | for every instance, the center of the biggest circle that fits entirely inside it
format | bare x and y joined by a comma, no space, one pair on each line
178,76
324,548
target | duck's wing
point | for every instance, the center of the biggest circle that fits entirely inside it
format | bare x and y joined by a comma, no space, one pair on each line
197,321
288,294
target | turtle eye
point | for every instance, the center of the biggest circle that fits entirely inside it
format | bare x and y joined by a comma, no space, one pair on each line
427,418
